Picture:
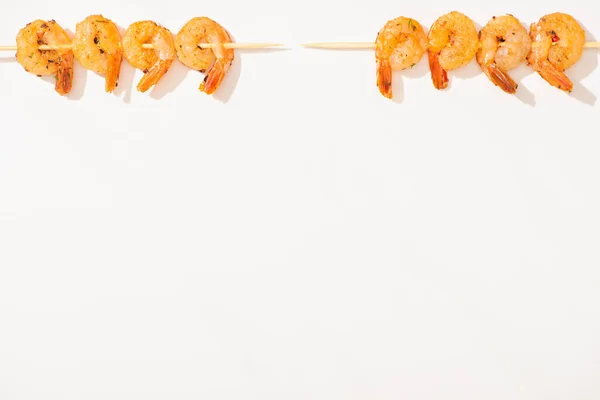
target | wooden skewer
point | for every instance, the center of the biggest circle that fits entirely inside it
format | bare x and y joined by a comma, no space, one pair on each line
149,46
367,45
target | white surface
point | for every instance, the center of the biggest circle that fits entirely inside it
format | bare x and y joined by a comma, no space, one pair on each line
308,239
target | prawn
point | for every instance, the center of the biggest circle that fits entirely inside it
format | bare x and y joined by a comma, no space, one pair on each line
453,43
98,47
217,60
154,62
58,62
557,44
505,43
400,44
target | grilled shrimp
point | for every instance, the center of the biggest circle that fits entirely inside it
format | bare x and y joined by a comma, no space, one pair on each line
400,44
557,44
57,62
155,62
453,43
97,46
217,60
505,43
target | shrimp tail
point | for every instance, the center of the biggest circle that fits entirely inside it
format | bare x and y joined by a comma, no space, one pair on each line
439,76
384,78
64,75
153,75
113,71
500,78
215,76
554,76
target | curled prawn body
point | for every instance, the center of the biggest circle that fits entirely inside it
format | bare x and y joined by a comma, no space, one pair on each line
400,44
155,62
216,60
505,44
58,62
97,46
453,43
557,44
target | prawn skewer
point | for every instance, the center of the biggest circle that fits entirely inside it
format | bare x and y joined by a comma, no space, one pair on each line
369,45
241,46
43,48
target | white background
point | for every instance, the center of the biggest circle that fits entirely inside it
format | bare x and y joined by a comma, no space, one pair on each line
299,236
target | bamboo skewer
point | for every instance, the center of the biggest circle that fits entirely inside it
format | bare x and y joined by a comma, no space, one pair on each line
367,45
149,46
